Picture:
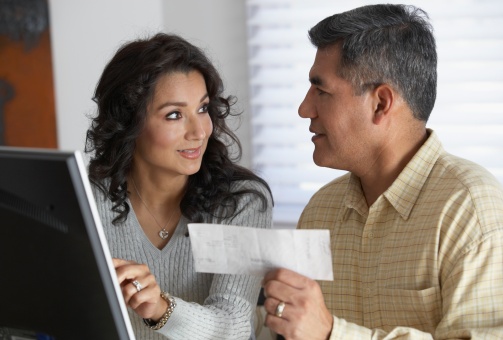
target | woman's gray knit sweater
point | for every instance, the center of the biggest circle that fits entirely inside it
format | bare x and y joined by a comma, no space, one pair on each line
208,306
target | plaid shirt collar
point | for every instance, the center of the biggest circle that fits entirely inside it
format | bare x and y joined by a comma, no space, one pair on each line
405,190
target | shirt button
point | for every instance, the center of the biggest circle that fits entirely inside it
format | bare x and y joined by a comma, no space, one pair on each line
371,235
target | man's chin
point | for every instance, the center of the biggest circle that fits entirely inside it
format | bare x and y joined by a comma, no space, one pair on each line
325,162
320,161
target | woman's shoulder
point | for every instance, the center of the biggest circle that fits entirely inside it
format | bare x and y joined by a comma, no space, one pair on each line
248,184
254,207
100,196
253,187
97,189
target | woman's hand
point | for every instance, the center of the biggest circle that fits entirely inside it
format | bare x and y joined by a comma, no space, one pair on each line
144,295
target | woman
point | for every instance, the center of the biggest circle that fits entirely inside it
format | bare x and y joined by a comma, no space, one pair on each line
160,159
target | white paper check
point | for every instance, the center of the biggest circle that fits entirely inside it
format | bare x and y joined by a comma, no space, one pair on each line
226,249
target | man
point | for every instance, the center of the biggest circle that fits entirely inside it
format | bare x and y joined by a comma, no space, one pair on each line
416,233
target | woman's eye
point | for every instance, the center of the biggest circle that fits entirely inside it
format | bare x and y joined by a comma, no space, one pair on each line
173,115
204,108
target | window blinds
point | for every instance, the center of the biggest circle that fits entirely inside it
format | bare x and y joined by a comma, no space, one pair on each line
468,114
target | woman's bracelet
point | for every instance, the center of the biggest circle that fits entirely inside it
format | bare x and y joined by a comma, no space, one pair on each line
164,318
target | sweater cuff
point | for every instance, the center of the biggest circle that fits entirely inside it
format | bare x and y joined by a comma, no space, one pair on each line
176,319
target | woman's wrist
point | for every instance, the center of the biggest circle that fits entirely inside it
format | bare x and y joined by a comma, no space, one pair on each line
171,304
162,306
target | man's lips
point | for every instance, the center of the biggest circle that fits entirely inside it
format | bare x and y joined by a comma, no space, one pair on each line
317,135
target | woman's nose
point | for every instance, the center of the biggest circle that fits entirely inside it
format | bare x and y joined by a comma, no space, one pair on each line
196,129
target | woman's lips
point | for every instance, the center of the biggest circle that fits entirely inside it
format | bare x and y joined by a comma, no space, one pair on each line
190,153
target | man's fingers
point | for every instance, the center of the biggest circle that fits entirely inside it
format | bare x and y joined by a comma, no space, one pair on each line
287,277
279,290
277,308
286,285
279,325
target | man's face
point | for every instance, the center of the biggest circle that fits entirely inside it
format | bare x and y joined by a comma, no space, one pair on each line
340,120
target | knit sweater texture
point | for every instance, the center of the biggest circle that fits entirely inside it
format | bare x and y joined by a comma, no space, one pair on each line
208,306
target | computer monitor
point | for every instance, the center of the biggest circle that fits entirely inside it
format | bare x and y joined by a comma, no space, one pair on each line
57,279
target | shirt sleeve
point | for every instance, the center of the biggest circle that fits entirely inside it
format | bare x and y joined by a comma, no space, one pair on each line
228,310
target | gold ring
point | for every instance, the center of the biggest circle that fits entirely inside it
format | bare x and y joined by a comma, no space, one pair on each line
137,285
279,309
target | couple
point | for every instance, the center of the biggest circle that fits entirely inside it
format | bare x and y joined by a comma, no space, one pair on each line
417,234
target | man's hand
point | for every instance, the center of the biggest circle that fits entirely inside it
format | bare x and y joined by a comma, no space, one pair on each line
305,315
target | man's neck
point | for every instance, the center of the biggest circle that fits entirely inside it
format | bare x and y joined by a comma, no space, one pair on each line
388,165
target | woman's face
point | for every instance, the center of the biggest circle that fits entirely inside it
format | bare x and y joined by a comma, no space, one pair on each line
177,126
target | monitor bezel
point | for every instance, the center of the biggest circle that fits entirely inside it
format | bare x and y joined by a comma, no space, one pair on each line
94,229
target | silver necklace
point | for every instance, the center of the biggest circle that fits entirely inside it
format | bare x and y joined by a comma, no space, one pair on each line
163,233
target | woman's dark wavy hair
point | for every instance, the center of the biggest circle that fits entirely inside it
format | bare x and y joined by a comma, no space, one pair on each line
122,94
391,44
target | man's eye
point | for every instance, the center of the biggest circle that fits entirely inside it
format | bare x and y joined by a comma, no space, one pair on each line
320,92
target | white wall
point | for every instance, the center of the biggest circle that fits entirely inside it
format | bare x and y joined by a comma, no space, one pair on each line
85,35
219,27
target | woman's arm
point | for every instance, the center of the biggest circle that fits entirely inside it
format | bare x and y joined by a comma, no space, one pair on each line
228,310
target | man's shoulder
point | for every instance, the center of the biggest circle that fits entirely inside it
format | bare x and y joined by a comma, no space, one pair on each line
336,186
329,197
468,186
325,205
463,172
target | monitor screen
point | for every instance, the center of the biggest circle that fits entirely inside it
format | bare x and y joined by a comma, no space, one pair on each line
56,274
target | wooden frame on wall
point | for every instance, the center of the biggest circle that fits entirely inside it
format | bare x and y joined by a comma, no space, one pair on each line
27,103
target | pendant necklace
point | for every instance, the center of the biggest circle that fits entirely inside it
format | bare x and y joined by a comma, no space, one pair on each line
163,233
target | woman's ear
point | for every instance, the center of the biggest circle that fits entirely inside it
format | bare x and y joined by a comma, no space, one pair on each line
384,99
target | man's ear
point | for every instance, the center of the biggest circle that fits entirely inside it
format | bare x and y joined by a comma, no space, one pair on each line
383,101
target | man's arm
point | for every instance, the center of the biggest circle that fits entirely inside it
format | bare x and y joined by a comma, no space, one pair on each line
472,297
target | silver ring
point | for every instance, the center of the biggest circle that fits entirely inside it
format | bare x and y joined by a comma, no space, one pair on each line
137,285
279,309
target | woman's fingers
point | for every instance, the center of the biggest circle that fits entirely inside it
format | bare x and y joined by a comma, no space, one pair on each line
139,288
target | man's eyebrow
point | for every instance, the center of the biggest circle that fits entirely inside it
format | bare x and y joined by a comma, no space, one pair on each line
315,81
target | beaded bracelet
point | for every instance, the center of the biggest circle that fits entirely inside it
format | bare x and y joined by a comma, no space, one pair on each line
164,318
